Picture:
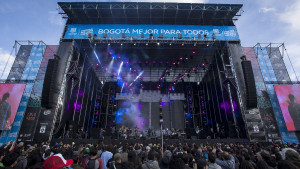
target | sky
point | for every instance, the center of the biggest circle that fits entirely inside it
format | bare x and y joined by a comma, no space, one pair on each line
263,21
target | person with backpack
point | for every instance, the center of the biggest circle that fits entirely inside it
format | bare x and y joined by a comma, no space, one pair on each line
93,162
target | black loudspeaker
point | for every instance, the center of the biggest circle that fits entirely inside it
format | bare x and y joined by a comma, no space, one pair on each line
142,35
49,85
251,97
95,133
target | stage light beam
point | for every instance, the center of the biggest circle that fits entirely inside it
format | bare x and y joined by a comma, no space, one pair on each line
120,68
136,78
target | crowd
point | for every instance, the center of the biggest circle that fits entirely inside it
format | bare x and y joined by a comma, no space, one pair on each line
152,156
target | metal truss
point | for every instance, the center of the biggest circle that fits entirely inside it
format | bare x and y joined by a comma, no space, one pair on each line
284,53
165,13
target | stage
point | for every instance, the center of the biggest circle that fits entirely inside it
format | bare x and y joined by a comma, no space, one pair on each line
145,141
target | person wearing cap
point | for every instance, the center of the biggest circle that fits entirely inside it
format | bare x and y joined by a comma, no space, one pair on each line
115,162
57,161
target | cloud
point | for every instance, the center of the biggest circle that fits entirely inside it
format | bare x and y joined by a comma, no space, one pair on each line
291,16
4,56
266,10
289,19
55,19
292,53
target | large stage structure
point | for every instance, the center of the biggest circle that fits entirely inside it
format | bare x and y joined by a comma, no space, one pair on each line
157,66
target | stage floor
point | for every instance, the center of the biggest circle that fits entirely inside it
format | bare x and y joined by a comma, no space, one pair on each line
147,141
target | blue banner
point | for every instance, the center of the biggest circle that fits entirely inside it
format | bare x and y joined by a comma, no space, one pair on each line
81,31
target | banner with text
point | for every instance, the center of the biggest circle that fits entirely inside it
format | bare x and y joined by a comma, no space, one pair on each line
81,31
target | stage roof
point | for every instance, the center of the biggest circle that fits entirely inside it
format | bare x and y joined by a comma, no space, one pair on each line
150,13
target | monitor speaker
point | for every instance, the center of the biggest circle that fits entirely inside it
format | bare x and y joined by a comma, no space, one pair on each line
251,97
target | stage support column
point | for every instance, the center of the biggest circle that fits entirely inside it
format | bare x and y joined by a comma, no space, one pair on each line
150,115
233,112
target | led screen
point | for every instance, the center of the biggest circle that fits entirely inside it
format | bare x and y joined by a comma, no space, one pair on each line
289,99
10,97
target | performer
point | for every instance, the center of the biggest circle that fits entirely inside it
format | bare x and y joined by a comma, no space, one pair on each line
70,132
101,133
125,133
80,133
149,132
120,133
197,131
222,132
113,131
136,131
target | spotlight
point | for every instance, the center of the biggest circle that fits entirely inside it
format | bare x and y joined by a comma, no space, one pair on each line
170,44
121,44
108,44
134,44
194,52
195,44
182,44
158,43
146,44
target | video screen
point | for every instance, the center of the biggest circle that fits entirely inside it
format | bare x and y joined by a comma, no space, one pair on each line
10,97
289,100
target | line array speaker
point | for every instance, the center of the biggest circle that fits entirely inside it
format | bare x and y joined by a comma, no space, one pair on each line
48,85
251,97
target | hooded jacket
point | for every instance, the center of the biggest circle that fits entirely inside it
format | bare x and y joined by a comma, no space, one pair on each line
150,165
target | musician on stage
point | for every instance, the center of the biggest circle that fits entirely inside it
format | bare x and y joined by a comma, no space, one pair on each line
120,132
149,132
80,133
197,131
113,131
136,131
101,133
